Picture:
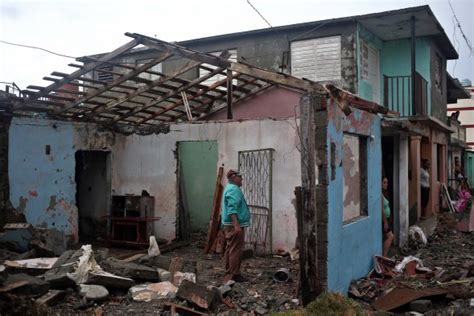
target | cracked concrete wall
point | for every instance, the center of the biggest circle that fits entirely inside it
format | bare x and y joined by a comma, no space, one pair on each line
149,163
270,50
360,239
42,169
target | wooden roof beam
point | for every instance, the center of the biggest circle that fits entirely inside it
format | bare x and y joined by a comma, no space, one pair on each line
278,78
202,92
117,82
78,73
140,90
177,91
181,51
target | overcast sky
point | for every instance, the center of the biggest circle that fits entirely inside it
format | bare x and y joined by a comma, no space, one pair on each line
84,27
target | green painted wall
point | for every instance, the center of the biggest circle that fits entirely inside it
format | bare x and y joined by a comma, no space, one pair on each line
198,172
469,167
395,60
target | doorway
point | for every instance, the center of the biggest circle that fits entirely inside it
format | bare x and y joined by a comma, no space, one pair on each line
92,192
197,172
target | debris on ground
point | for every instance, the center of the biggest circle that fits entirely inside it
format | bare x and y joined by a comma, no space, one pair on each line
440,270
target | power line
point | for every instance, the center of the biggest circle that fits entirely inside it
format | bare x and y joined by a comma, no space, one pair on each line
468,43
255,9
39,48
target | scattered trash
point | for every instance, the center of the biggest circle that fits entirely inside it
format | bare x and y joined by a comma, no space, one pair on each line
153,249
36,264
179,277
416,234
282,275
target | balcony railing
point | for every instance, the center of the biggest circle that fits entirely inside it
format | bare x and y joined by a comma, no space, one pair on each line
397,95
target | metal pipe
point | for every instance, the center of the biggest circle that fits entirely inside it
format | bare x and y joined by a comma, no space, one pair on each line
413,64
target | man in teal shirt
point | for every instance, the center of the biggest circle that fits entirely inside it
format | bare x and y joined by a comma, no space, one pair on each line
235,217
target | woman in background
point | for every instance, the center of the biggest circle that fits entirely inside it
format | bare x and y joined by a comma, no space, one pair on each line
386,212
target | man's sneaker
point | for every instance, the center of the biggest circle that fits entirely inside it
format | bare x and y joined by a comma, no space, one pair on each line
239,278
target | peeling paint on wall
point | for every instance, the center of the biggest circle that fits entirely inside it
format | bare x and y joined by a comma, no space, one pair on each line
42,181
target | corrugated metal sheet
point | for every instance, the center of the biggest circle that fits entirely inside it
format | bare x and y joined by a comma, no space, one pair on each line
317,59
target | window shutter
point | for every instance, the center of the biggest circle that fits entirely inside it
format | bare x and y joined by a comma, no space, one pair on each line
317,59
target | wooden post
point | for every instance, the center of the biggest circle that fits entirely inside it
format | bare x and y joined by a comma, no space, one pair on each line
230,115
306,214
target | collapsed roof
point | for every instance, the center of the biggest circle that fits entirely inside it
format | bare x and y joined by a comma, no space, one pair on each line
111,92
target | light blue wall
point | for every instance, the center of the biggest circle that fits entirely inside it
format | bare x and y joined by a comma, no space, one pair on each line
351,247
42,186
395,60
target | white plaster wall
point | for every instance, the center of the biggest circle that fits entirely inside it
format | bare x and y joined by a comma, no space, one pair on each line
149,163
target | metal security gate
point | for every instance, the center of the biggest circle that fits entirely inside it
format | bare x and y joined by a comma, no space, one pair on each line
257,187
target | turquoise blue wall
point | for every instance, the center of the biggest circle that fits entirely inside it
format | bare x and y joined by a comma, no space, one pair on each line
364,87
395,60
469,167
352,246
43,186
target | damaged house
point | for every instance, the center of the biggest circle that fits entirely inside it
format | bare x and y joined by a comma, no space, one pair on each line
129,145
93,146
395,58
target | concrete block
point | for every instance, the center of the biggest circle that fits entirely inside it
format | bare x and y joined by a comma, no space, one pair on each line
57,275
93,292
164,275
30,285
109,280
130,270
198,294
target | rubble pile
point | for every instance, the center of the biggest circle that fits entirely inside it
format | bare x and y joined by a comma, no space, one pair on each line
435,275
100,280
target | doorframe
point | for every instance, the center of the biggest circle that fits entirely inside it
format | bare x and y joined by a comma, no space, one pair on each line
108,183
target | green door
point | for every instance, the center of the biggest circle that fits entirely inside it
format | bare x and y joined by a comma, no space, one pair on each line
197,176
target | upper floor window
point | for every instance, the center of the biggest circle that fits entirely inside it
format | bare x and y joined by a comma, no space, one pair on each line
104,73
317,59
213,79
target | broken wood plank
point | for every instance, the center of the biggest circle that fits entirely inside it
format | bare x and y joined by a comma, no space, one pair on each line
133,258
182,310
12,286
50,298
230,114
215,213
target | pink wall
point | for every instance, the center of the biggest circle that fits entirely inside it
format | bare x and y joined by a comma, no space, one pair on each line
275,102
